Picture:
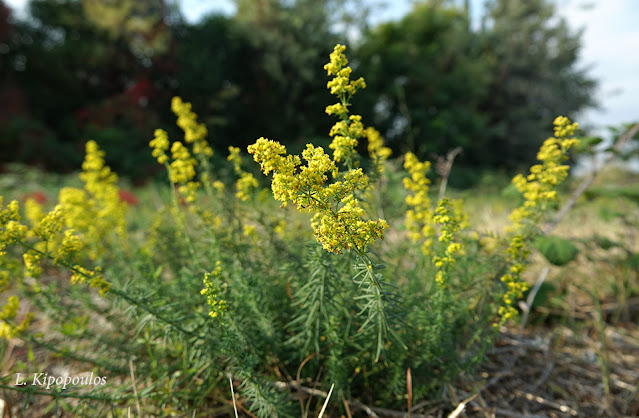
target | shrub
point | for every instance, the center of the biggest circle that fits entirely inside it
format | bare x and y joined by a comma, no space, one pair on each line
221,282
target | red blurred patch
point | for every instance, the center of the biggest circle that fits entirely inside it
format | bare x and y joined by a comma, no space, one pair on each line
37,196
128,197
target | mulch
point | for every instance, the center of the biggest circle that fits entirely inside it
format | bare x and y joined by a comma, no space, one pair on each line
557,372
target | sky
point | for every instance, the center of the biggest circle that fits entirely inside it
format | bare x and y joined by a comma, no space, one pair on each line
610,47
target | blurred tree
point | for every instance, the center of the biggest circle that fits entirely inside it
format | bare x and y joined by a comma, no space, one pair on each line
81,72
425,79
261,72
18,132
141,24
535,78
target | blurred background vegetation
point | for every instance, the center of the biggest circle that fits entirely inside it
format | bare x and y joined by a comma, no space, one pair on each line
74,70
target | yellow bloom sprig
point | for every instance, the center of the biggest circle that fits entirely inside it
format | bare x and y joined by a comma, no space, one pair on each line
8,313
43,240
337,222
376,149
182,171
96,211
213,286
450,223
247,182
347,131
160,144
194,133
419,218
95,278
539,190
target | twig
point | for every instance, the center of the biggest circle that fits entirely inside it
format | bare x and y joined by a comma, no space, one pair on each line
346,407
321,414
457,410
298,378
563,408
543,377
370,410
233,396
531,299
135,389
589,179
462,406
444,166
6,364
409,389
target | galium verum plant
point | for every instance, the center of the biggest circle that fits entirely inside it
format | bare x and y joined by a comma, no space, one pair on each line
222,278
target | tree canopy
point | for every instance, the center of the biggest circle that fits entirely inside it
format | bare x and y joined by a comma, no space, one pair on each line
106,70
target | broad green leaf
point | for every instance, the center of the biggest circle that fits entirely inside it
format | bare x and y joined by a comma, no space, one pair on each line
558,251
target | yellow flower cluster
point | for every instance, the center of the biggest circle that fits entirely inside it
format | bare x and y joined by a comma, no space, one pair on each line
8,313
337,223
182,168
246,183
539,187
194,133
12,230
539,191
41,241
450,223
96,211
376,149
32,263
349,129
182,171
160,144
33,211
235,158
341,84
419,219
50,243
345,138
212,289
49,224
95,277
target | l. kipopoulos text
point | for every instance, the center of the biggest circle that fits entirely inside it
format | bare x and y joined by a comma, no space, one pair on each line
46,380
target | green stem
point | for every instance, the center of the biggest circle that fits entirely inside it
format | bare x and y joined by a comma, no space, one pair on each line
128,298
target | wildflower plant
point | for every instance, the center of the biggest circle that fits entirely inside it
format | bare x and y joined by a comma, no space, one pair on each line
539,190
338,216
419,216
268,288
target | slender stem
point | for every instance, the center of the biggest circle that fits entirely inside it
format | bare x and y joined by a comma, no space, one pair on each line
126,297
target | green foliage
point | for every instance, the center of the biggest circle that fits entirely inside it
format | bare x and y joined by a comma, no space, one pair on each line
558,251
629,192
587,144
425,81
289,307
217,281
252,80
